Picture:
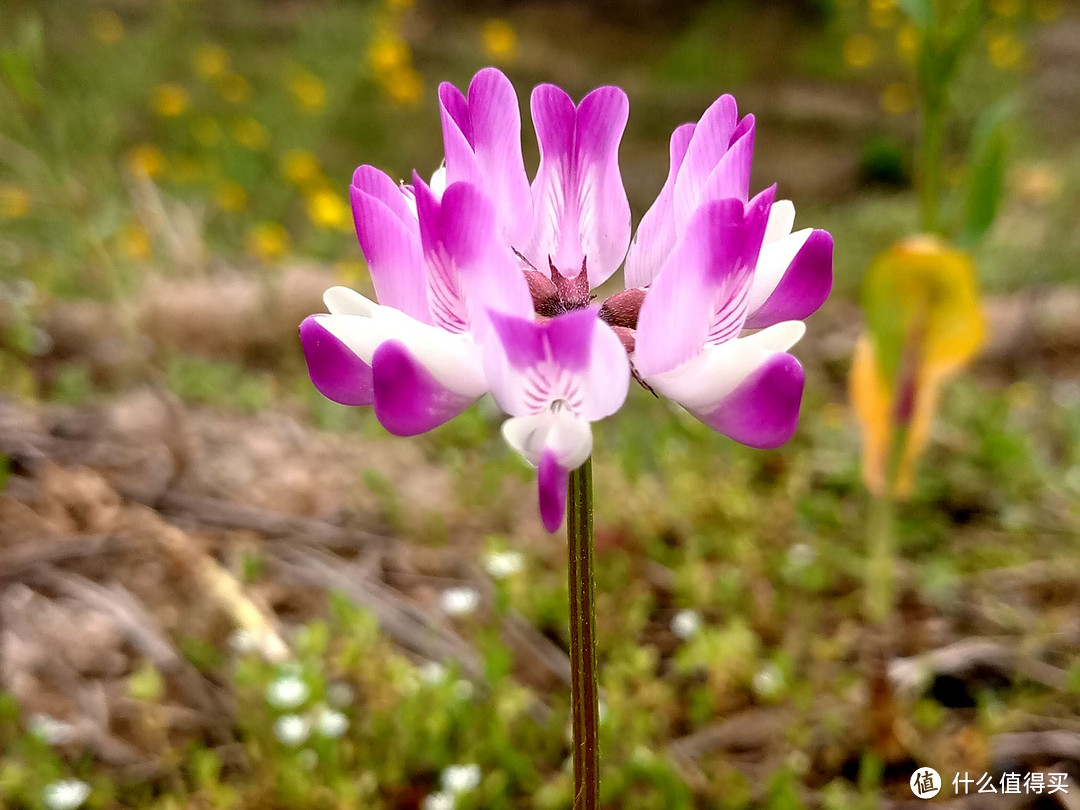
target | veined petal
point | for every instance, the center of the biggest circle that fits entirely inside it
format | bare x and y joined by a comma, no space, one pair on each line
580,211
731,175
390,239
470,269
711,140
408,398
793,278
335,370
482,136
748,389
656,237
704,279
573,359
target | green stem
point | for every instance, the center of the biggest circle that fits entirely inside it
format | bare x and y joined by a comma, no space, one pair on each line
881,562
880,565
584,694
931,155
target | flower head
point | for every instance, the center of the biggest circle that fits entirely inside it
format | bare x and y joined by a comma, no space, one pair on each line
287,692
460,778
292,730
485,281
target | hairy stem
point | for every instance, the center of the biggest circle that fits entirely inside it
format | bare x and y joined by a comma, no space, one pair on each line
584,695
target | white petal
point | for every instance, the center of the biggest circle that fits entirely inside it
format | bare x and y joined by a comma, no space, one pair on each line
707,378
559,431
526,434
773,262
569,438
438,181
781,220
343,301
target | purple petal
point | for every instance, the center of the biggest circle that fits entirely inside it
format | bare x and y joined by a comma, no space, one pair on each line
706,269
391,246
408,399
565,340
470,270
482,136
581,214
382,187
731,176
552,484
711,140
608,375
763,410
337,373
656,235
805,285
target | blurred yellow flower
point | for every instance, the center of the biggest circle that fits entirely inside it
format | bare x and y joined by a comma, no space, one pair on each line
234,88
388,53
14,202
309,91
300,167
897,98
146,159
231,196
859,51
1039,183
500,40
206,131
135,242
1048,10
882,13
921,306
1004,50
211,61
1005,8
907,42
405,87
169,100
268,240
107,27
328,209
250,134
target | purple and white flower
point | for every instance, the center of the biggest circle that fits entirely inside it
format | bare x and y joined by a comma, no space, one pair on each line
485,283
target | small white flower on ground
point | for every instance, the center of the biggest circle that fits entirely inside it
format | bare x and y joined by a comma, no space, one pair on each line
439,801
432,672
332,724
460,778
291,729
686,623
51,730
768,680
67,794
459,601
340,694
287,692
503,564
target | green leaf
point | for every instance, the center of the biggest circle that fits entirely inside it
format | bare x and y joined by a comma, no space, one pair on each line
920,12
986,174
